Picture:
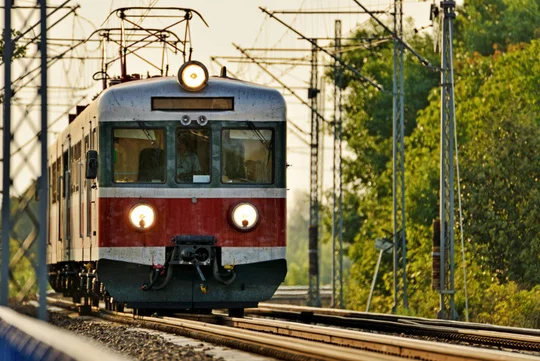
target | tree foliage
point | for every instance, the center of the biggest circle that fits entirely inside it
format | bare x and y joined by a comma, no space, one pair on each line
297,245
497,77
19,51
486,27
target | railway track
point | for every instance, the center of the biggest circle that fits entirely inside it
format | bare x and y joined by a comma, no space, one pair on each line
294,341
463,332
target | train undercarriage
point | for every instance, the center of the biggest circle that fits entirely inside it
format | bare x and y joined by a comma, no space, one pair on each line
177,287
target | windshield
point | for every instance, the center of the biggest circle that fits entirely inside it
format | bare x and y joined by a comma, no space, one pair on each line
247,156
192,155
139,156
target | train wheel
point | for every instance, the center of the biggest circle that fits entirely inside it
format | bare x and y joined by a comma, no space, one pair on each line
85,310
108,303
236,312
118,306
76,298
143,312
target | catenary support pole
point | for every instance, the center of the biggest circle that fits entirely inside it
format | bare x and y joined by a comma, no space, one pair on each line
43,184
6,151
400,240
337,206
446,211
314,298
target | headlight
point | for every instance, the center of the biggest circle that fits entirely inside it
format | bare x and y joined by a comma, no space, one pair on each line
245,216
192,76
142,216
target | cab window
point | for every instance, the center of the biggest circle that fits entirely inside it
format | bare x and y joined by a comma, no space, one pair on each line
247,156
192,155
139,156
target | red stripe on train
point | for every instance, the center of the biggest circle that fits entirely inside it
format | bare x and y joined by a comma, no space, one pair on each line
204,216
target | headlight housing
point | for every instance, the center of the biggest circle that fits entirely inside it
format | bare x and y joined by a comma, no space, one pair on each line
192,76
244,216
142,216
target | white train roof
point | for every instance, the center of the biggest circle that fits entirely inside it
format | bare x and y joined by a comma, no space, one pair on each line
132,101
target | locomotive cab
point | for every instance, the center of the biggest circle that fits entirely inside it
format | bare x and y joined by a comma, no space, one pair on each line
191,192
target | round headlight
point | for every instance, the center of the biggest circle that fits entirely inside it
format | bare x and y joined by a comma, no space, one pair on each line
245,216
142,216
192,76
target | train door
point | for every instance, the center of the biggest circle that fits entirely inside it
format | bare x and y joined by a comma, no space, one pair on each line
59,200
86,209
92,206
76,200
66,200
51,223
93,195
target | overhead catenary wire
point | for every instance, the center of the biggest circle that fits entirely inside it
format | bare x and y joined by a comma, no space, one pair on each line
279,81
36,37
289,122
314,43
422,60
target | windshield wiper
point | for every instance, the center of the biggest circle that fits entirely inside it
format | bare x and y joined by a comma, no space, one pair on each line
261,137
146,132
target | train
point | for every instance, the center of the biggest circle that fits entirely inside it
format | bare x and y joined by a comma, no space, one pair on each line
169,193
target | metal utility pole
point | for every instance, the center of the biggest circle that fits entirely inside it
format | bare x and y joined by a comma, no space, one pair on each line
11,265
314,298
43,180
6,161
400,240
337,205
446,290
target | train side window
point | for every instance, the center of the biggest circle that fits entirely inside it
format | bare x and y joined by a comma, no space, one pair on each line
247,156
139,156
192,155
54,182
75,159
60,174
49,176
66,173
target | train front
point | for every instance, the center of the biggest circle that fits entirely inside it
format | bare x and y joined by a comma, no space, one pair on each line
192,193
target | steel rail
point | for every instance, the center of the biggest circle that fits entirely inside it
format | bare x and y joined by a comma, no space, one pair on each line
515,338
392,345
384,316
280,346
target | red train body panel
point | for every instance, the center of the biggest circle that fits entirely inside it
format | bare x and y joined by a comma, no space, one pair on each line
205,216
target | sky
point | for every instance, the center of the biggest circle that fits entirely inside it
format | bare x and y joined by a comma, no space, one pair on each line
230,21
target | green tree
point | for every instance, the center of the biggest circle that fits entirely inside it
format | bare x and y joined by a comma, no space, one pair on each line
486,27
297,245
501,180
297,241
